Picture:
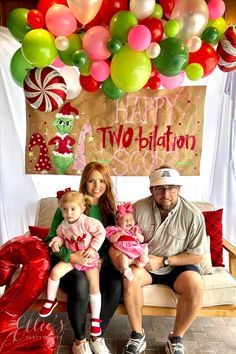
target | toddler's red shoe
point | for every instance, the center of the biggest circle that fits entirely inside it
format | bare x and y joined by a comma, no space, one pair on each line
95,330
46,311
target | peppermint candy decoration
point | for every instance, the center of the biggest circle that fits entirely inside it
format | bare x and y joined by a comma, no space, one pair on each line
45,89
226,50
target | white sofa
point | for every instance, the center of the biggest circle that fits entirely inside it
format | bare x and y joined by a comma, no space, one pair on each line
220,286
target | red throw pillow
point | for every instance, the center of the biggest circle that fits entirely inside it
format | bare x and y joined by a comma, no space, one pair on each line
214,229
41,232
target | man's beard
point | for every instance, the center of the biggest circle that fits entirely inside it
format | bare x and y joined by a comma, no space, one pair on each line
166,207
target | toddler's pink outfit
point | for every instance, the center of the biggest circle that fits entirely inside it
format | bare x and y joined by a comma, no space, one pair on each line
85,232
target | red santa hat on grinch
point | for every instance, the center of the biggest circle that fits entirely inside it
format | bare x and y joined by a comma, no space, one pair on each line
68,111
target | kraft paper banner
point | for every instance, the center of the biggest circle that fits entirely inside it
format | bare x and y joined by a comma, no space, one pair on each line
132,135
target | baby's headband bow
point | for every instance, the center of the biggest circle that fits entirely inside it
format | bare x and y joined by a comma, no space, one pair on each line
124,208
60,193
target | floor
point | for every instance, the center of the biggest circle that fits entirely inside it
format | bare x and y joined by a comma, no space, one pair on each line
207,335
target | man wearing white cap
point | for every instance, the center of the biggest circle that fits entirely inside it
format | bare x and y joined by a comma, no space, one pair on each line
175,231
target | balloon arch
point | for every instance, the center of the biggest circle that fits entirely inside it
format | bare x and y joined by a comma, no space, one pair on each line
119,46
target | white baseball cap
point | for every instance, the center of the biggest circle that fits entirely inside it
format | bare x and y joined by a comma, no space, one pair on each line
165,176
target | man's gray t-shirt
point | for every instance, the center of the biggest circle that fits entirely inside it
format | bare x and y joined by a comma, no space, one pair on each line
183,230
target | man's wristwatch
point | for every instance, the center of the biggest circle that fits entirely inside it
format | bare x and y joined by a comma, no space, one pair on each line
165,261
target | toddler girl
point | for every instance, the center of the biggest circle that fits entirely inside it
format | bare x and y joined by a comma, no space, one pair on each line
127,239
77,232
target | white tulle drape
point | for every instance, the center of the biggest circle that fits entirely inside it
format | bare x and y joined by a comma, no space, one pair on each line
19,193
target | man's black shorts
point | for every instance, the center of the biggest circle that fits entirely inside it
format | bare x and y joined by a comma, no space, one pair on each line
170,278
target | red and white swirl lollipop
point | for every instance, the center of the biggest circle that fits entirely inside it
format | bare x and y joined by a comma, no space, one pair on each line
45,89
226,50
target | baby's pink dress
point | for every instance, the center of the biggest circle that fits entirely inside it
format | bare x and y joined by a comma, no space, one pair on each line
127,243
85,232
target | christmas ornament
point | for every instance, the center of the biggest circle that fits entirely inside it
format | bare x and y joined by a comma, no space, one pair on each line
226,50
45,89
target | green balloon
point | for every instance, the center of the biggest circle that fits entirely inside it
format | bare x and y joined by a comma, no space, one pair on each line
19,67
157,12
85,69
110,90
38,48
114,45
172,28
130,70
80,58
121,23
173,57
74,45
194,71
17,23
210,35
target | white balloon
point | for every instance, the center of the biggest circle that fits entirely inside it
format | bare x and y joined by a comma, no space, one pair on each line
62,43
142,8
194,43
71,77
192,15
153,50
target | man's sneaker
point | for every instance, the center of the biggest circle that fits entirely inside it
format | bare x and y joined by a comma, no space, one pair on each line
98,346
82,348
136,343
47,310
174,345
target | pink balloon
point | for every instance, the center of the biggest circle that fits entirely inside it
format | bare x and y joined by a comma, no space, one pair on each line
216,9
171,82
57,63
100,70
60,21
95,43
139,38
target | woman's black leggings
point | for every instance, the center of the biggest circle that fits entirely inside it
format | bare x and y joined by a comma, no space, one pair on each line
75,284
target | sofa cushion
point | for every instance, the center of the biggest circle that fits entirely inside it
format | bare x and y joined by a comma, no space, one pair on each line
213,221
220,289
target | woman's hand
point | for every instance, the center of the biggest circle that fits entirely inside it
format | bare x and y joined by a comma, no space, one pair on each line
79,258
89,252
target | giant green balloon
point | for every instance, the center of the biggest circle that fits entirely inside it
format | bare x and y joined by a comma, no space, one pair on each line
19,67
74,45
38,48
121,23
111,90
17,23
130,70
173,57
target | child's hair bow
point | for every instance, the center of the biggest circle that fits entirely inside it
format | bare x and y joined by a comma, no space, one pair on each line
124,208
60,193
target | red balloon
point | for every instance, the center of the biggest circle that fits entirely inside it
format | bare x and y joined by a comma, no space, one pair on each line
88,83
110,7
43,5
155,26
167,6
206,56
33,254
35,19
154,82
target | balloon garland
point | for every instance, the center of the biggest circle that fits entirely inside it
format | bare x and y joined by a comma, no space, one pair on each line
114,44
33,254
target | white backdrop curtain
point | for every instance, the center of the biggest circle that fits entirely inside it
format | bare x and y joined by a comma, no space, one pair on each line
19,193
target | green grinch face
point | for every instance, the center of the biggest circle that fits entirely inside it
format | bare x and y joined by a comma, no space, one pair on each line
63,125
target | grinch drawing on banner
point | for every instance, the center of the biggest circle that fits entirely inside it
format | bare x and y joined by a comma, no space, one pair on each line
63,152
